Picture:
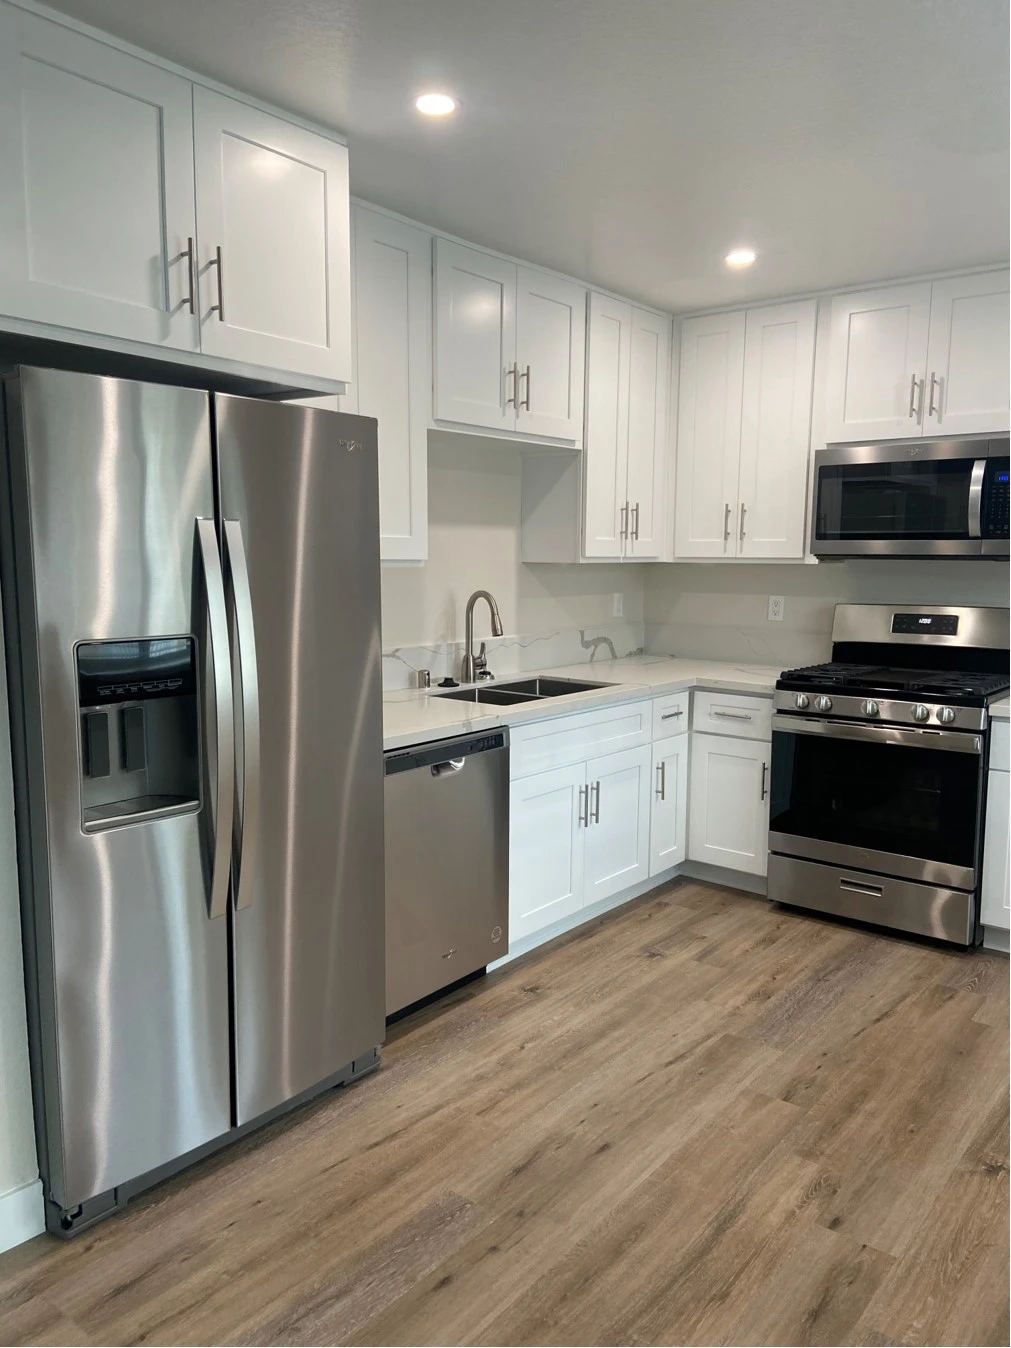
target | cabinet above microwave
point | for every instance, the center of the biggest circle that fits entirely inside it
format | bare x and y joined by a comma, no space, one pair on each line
932,498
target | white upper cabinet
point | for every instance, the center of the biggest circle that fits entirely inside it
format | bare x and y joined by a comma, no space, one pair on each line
649,380
709,434
475,337
273,245
775,430
96,210
967,355
605,454
922,359
393,286
550,355
509,346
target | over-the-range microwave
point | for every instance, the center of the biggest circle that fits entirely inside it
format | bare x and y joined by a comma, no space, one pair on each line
906,498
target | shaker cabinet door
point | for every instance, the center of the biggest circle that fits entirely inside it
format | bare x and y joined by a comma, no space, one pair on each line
96,208
605,453
476,379
273,218
877,363
667,841
709,435
649,380
775,430
617,834
995,908
546,829
728,809
551,355
967,355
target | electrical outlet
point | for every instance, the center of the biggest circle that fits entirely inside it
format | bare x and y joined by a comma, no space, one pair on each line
619,605
776,606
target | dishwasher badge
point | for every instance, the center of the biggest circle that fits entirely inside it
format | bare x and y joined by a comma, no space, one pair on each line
496,934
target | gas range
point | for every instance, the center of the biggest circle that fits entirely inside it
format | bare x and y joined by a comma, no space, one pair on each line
892,695
879,768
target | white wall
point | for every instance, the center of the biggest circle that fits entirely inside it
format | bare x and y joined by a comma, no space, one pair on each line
474,520
721,611
20,1192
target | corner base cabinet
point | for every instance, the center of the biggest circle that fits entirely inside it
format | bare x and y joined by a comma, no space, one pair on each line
995,908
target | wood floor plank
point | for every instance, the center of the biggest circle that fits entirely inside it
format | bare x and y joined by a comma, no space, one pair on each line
700,1119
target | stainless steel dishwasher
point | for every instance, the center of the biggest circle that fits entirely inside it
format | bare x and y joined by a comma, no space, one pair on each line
447,863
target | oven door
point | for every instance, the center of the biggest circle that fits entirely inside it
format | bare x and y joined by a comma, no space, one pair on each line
917,500
895,801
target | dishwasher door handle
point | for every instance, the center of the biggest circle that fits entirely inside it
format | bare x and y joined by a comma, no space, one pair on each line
450,766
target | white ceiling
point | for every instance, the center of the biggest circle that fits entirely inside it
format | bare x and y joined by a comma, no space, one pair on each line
633,142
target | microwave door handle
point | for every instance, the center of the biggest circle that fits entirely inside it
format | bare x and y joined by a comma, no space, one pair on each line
247,821
976,499
221,674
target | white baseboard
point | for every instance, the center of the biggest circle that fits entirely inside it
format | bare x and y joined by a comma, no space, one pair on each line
22,1214
996,938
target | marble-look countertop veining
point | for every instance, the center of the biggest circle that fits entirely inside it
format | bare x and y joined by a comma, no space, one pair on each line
1002,709
413,716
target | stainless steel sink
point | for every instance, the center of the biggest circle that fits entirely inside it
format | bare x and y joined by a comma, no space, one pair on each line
515,691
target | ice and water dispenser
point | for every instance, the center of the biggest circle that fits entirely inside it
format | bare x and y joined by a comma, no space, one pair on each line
140,729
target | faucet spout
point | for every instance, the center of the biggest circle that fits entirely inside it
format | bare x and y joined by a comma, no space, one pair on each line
475,667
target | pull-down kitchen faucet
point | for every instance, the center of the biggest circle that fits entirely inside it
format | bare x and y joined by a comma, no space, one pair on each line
475,667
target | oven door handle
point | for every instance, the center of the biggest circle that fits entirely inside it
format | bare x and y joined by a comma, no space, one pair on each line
950,740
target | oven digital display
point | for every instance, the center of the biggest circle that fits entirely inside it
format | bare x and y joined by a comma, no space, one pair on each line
925,624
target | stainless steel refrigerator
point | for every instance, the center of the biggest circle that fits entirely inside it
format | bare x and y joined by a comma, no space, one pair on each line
191,600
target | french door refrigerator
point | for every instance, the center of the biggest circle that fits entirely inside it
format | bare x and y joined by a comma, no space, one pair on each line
191,599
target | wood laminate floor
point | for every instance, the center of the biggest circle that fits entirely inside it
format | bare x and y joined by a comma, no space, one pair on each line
698,1120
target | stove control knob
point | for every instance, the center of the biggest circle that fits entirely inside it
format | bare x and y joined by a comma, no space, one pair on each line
921,713
870,708
823,703
801,701
946,715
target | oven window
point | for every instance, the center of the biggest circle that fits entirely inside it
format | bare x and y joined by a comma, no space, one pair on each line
886,797
925,500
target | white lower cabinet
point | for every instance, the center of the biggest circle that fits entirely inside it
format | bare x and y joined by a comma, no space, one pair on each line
668,844
545,848
729,803
616,844
995,909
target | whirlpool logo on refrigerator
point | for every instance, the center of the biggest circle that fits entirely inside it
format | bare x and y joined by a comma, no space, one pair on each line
349,445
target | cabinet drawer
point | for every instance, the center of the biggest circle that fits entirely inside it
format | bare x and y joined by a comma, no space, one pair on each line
733,714
1000,746
573,739
670,715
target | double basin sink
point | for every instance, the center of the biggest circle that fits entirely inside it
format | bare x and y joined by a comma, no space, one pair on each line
516,691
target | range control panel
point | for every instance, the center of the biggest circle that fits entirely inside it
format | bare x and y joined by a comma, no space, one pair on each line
925,624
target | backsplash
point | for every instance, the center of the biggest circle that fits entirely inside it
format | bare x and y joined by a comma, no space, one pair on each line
514,654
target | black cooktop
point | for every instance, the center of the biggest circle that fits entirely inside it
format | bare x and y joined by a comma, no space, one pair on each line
964,687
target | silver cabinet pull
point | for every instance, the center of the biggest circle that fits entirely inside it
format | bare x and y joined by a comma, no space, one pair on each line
669,715
743,510
915,384
635,526
933,411
661,773
526,403
189,253
217,630
726,521
623,521
246,822
731,715
584,819
858,887
595,807
513,373
219,308
765,776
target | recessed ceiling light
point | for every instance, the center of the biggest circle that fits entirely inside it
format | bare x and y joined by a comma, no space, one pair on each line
435,105
740,257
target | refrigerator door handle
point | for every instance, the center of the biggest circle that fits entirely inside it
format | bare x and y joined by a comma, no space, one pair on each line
247,821
217,626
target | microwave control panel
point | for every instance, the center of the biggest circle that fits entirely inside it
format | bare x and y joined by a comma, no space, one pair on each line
996,500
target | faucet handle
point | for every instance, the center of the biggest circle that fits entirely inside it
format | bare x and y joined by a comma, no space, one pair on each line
481,670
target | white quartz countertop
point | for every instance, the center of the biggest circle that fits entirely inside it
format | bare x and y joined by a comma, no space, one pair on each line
415,716
1002,709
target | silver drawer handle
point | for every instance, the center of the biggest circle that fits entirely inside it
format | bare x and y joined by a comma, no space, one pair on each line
731,715
875,891
584,819
451,765
669,715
